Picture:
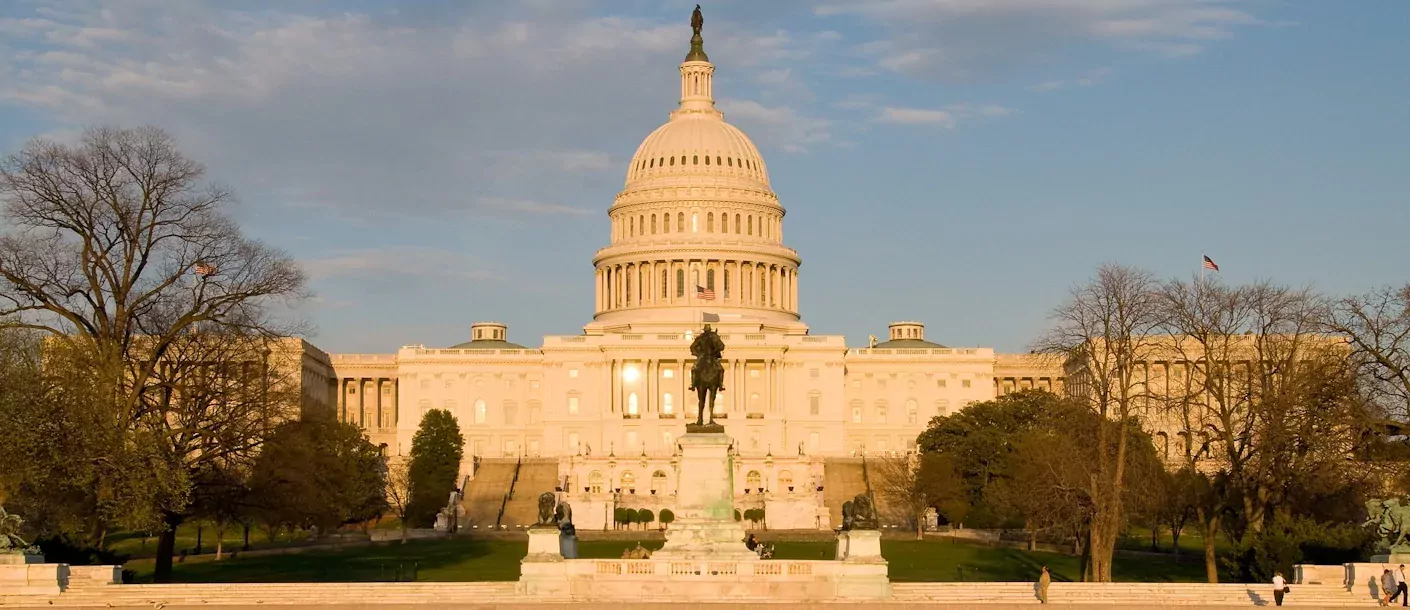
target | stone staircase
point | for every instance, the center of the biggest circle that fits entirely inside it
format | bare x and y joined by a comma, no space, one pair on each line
536,476
1129,594
485,494
842,481
273,594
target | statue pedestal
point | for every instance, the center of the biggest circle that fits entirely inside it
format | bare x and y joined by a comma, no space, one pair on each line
22,574
859,546
705,525
544,544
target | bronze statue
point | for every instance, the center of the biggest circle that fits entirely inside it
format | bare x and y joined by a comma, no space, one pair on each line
708,375
547,502
697,21
1392,522
859,513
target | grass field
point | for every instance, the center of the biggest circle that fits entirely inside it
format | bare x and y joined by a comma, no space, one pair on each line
498,560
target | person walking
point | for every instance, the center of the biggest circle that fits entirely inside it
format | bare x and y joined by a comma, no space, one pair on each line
1280,587
1044,579
1388,587
1400,590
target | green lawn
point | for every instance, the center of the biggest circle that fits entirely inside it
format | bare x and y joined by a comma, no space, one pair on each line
134,545
496,560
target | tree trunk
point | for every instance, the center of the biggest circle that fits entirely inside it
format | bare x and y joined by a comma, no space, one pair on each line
1211,567
1175,540
1032,539
166,547
246,546
403,531
219,540
1155,538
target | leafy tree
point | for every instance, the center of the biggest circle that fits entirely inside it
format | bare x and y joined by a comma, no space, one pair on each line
623,516
436,452
1288,541
319,474
979,443
645,517
667,517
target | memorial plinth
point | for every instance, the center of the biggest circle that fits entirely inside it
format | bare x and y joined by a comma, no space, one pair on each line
705,525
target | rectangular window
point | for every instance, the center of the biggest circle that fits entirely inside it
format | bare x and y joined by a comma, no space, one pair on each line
856,383
965,383
940,383
814,405
534,384
425,384
386,389
572,373
668,373
856,415
881,384
448,383
814,373
509,383
572,405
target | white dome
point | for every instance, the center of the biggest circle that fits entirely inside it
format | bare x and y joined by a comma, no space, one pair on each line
698,145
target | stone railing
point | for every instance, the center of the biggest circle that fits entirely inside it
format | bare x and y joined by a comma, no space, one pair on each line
363,358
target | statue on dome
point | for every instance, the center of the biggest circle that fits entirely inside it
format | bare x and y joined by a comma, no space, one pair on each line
697,21
707,377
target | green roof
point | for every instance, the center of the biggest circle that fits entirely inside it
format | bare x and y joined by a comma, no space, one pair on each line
488,344
909,344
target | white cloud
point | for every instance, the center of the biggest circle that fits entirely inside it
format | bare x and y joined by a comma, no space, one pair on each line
387,113
398,261
523,206
782,126
964,38
917,116
1090,78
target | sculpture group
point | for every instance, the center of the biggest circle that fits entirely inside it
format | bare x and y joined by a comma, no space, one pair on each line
1391,518
10,541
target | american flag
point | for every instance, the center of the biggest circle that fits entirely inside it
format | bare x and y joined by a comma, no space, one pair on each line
707,294
1209,264
203,268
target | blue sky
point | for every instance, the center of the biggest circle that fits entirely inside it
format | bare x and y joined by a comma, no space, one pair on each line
960,162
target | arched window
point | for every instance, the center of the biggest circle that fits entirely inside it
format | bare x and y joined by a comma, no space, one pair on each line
631,405
695,160
911,409
736,224
881,412
729,161
750,225
754,480
710,279
663,282
673,161
653,224
595,481
680,222
667,405
680,283
628,482
631,227
707,159
763,290
710,222
856,411
480,411
651,164
682,159
726,283
658,478
785,479
717,159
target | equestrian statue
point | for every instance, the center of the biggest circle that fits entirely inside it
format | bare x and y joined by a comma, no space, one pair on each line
707,378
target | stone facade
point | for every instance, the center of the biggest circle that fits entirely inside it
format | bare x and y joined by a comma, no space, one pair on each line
696,236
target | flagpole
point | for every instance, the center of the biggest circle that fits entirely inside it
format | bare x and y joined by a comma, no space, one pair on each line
1201,268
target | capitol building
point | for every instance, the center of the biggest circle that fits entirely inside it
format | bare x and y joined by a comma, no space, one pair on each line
697,235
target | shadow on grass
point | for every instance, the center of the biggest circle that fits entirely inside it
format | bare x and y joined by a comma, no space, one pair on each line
423,560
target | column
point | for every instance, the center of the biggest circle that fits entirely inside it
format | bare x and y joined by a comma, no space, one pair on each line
396,402
361,402
377,387
773,383
647,400
612,387
741,390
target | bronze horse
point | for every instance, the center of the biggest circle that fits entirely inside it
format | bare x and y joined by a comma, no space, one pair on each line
707,376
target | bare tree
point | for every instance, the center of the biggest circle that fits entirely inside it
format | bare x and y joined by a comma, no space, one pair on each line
120,252
399,490
1249,391
1377,325
914,483
1106,329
